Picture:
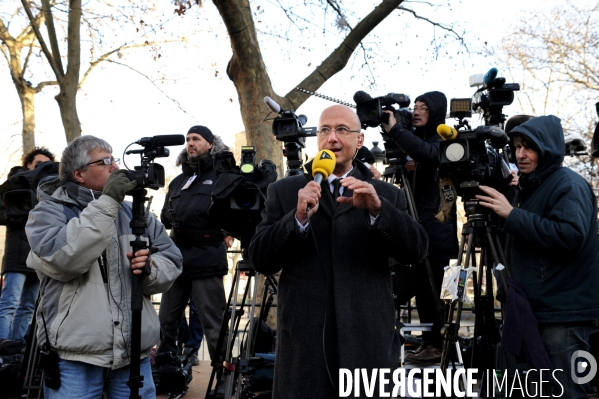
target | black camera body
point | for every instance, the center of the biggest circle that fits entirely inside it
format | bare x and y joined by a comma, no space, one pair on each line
239,193
150,174
473,159
19,192
491,98
371,112
289,127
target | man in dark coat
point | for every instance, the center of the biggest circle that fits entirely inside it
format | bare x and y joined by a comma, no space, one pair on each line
21,284
335,305
422,145
551,246
202,245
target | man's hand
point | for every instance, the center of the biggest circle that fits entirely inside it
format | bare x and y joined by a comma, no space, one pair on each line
229,240
138,263
495,201
364,195
375,172
514,181
309,195
118,184
392,121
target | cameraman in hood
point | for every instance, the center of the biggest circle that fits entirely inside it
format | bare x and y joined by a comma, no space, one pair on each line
422,145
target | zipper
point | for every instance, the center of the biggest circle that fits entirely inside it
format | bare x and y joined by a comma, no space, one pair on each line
542,271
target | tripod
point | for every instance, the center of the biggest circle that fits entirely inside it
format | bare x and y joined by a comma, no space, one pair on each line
397,174
240,367
477,233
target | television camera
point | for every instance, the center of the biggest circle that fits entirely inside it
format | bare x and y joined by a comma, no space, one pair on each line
471,157
239,193
370,112
289,128
19,191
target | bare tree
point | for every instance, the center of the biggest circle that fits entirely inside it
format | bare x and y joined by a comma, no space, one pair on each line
249,73
555,56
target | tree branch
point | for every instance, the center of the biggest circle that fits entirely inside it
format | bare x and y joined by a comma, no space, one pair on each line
41,85
337,60
40,39
437,24
47,11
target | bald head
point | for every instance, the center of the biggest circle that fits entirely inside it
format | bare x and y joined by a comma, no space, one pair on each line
342,112
345,137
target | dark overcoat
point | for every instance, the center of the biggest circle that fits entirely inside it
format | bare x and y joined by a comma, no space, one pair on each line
335,305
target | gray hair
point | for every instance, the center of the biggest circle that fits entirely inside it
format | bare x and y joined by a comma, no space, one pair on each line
76,155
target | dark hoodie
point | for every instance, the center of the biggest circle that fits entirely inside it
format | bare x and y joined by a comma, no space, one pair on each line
423,146
201,243
551,247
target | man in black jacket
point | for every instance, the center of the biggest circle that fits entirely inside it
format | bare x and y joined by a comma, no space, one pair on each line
202,245
21,284
422,146
551,246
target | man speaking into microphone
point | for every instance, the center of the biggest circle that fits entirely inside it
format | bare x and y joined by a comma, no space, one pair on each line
332,241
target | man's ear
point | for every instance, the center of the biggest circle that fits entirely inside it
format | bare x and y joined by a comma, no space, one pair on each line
78,176
360,140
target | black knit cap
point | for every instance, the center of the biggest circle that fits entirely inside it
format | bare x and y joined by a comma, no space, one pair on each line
202,131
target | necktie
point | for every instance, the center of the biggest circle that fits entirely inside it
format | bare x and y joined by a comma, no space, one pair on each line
336,186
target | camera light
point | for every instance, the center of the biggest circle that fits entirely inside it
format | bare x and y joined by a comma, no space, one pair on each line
461,105
455,152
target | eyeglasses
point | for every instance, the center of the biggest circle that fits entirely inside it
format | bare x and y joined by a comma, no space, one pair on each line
105,161
423,109
340,131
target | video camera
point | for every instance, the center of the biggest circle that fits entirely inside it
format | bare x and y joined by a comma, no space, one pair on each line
19,191
471,157
150,174
370,112
239,193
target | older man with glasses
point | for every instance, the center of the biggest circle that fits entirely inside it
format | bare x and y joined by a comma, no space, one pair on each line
80,247
335,304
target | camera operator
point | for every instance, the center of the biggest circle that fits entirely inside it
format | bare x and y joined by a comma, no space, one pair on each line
21,285
422,146
185,212
80,247
551,246
335,304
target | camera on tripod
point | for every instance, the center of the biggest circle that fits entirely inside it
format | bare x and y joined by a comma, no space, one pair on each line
19,192
150,174
471,157
239,193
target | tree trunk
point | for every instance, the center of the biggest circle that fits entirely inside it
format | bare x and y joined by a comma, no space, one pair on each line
27,97
67,102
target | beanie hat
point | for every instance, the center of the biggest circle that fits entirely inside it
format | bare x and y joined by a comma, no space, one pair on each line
202,131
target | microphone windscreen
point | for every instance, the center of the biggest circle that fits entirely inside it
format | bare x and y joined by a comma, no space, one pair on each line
447,132
490,76
272,104
324,163
361,96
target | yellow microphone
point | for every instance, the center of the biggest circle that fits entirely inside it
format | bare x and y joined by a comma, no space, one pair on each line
447,132
323,165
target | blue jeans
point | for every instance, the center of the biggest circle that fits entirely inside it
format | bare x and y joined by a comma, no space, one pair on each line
85,381
17,304
561,341
191,334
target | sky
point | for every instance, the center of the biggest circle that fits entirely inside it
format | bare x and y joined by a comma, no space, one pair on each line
118,104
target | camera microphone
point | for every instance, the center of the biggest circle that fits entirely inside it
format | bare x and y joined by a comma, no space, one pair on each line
272,104
361,96
163,140
322,167
447,132
490,76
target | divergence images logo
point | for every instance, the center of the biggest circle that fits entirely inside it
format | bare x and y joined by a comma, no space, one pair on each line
579,366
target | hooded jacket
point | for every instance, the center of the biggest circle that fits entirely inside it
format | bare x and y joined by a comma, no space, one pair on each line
185,212
423,146
551,247
88,316
16,246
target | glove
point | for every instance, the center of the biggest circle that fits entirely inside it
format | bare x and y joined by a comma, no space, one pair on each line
117,185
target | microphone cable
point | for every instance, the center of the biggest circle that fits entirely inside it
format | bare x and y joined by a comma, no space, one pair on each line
326,303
